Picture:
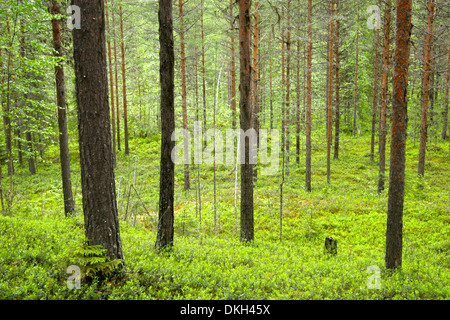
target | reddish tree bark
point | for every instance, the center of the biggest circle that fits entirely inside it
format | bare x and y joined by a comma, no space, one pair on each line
394,235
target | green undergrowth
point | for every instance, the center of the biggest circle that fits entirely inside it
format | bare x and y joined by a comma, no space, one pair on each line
37,243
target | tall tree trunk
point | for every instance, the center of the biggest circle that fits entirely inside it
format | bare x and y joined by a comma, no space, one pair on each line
297,107
446,95
232,69
338,87
308,101
384,95
283,80
19,140
19,121
355,88
2,102
7,114
124,82
164,238
426,86
375,95
330,91
203,68
197,111
262,90
28,137
245,106
69,205
183,97
196,81
255,70
271,35
288,83
7,106
216,98
101,219
432,92
393,257
31,164
111,85
297,90
116,78
283,167
1,190
138,77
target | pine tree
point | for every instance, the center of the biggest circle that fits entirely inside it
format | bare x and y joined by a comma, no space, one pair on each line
394,233
338,86
384,95
374,95
427,62
444,135
111,85
330,91
164,238
355,86
69,205
97,172
308,100
245,106
183,95
124,85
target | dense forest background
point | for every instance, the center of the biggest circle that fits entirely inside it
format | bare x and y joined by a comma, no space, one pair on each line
41,235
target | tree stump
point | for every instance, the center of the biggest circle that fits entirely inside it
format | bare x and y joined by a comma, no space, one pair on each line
330,245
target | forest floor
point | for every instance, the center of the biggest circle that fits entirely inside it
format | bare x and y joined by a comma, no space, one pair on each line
37,243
